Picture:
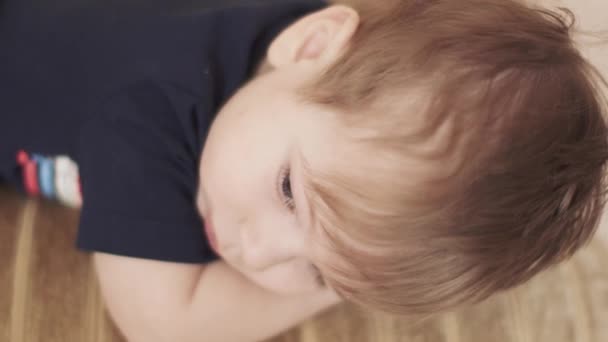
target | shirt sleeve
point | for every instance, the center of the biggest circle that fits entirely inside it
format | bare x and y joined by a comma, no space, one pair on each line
139,179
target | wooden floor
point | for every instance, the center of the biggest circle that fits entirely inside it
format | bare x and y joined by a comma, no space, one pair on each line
50,295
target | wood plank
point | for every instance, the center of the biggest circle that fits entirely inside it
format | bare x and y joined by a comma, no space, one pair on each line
11,208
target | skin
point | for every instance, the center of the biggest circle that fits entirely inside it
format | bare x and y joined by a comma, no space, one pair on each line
266,280
251,189
251,192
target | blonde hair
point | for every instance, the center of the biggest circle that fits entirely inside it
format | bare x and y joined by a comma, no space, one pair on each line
476,153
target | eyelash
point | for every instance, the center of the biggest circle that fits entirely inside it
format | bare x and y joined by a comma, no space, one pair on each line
318,276
285,190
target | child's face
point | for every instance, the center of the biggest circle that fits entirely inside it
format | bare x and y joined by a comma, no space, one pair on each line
251,190
251,182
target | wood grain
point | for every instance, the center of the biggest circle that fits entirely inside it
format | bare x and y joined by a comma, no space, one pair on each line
50,294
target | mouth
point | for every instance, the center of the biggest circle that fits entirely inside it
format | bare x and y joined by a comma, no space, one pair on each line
210,232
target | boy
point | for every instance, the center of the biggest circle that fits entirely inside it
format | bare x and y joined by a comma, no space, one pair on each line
410,155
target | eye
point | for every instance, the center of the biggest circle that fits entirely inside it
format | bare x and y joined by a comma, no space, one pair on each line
285,188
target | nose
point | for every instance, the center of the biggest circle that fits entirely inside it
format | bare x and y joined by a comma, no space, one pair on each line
263,248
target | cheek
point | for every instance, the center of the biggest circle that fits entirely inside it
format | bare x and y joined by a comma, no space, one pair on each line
231,186
227,153
220,169
234,181
238,166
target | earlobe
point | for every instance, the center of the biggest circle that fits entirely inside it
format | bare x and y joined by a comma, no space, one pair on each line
320,36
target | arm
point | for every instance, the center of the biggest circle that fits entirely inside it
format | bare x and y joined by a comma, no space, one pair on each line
159,301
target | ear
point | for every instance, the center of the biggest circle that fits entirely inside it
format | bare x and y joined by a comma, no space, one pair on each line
321,36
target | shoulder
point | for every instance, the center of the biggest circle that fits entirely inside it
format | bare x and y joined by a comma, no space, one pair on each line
136,137
139,176
147,98
150,110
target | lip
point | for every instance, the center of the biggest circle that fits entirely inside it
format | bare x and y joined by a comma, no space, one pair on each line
210,232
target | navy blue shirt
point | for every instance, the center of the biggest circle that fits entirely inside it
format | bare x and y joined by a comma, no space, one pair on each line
121,93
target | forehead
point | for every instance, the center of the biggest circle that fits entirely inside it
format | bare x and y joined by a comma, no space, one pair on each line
319,136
